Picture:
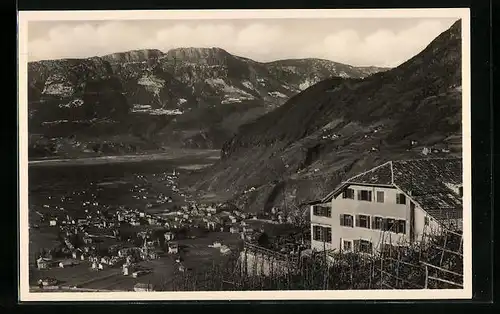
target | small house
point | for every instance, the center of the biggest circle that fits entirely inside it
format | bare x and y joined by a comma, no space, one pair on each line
127,269
42,263
211,225
215,245
225,250
105,260
247,229
234,229
123,252
66,263
143,287
169,236
48,282
173,248
154,255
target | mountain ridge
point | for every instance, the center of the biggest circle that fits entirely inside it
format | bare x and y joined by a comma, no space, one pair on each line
339,127
194,97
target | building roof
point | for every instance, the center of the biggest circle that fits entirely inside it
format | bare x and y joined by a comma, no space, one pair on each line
424,180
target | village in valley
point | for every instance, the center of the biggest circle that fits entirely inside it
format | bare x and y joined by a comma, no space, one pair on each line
129,249
132,249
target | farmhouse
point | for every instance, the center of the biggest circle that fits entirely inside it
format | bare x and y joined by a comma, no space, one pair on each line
392,204
42,263
143,287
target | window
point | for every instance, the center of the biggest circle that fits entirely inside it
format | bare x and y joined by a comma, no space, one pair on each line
380,196
389,224
316,233
461,191
400,198
378,223
322,211
346,220
327,236
364,195
363,221
401,226
347,245
348,193
315,210
323,234
362,246
426,220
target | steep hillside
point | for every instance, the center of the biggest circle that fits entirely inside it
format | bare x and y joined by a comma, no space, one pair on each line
194,97
340,126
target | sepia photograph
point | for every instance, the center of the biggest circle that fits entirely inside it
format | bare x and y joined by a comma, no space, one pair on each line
244,155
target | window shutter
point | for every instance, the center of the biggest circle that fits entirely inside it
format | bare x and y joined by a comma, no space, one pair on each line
359,195
368,219
357,220
342,220
370,196
373,223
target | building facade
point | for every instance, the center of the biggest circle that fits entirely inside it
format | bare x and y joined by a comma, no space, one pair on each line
392,204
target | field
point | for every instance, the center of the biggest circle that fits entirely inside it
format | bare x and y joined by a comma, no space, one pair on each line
195,253
43,238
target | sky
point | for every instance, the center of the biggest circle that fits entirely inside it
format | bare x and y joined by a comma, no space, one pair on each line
385,42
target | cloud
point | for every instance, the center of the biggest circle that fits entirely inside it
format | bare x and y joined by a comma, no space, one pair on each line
259,41
382,47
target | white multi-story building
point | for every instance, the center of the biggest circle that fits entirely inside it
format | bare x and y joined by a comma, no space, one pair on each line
394,203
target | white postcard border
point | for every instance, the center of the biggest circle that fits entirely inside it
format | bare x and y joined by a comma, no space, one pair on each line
26,16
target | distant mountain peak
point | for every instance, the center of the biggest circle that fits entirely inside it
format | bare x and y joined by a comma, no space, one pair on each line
136,55
197,54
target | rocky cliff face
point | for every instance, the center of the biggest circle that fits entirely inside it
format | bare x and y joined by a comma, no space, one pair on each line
203,94
341,126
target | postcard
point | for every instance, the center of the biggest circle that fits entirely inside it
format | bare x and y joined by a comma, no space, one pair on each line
244,155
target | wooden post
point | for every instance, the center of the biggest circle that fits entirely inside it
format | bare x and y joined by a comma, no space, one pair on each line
426,277
443,249
381,269
397,268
